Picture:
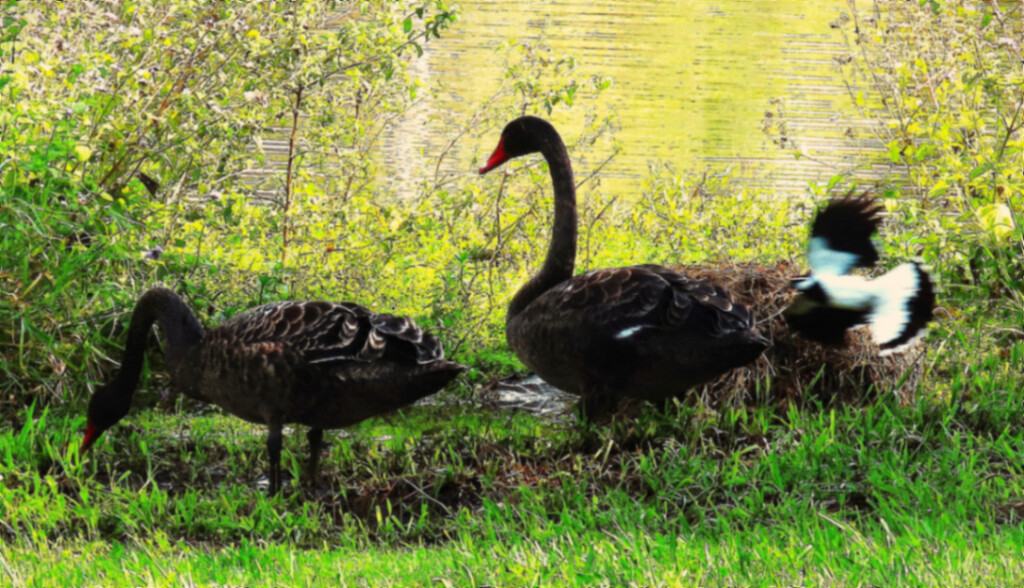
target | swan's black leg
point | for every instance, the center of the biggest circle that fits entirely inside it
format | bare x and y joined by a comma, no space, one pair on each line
316,440
274,452
595,406
604,381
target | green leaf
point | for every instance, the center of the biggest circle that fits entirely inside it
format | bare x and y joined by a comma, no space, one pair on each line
894,152
997,219
940,188
980,170
82,152
923,151
986,19
407,25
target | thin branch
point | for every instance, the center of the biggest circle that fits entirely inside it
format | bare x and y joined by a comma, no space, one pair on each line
289,175
1012,127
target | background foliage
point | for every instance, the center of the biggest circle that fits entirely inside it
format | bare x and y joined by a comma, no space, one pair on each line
947,87
135,152
241,165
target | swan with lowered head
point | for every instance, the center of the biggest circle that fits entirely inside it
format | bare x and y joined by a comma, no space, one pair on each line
325,365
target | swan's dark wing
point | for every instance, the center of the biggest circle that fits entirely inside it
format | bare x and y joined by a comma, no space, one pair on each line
327,332
403,334
841,235
626,301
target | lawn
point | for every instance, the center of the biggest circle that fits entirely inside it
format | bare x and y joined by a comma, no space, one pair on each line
459,493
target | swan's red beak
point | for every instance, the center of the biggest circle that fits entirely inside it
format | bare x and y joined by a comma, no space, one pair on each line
91,435
497,158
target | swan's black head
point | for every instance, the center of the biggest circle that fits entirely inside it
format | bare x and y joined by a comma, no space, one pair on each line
524,135
107,407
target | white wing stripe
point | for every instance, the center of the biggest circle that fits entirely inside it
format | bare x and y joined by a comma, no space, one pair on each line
892,313
824,260
624,333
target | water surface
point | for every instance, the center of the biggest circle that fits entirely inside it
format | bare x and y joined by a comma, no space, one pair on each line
693,81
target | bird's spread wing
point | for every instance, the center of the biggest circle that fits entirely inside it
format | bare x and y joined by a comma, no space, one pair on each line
841,235
905,308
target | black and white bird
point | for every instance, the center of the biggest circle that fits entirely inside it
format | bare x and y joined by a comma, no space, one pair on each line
896,306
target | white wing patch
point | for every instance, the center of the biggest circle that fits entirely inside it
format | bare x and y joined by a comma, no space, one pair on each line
891,314
624,333
852,292
824,260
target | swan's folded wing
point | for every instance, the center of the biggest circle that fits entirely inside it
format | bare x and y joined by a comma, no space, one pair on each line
628,300
329,332
403,334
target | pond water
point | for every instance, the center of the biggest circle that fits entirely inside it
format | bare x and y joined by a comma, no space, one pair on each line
692,82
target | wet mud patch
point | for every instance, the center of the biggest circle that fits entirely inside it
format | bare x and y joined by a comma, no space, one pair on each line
530,394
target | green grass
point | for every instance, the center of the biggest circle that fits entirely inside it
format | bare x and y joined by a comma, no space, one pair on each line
818,552
456,494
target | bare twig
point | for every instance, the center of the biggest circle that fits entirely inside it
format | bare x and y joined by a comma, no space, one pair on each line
289,175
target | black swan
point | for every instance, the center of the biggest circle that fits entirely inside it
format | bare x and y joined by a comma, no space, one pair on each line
896,306
321,364
643,331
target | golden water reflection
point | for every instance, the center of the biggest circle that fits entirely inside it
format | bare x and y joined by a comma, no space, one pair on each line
693,80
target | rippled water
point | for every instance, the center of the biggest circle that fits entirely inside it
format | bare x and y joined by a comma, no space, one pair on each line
692,83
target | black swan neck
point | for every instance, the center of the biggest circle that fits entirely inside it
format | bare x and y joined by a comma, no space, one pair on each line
181,332
561,256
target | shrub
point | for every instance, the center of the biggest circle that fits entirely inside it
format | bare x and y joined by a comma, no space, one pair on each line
945,84
129,138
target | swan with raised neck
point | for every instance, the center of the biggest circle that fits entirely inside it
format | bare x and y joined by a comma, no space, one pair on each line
642,331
